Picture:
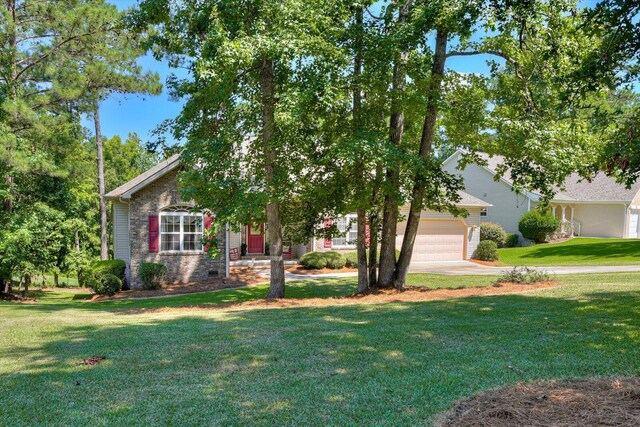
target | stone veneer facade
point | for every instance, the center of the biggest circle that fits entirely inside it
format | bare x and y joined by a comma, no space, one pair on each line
182,267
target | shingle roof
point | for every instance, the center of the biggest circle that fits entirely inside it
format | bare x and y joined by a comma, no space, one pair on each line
146,178
151,175
467,200
600,188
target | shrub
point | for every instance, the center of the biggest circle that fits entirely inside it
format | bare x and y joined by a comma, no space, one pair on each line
117,267
512,241
494,232
487,251
351,259
335,260
106,284
151,274
538,224
315,260
524,276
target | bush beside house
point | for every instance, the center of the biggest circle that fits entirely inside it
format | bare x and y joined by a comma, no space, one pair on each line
152,274
487,251
320,260
538,225
512,241
494,232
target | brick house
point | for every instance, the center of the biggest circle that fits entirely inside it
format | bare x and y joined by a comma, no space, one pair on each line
152,224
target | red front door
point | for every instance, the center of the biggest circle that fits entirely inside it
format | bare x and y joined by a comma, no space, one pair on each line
255,239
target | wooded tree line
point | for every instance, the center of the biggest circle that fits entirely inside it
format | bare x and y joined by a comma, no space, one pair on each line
58,60
316,109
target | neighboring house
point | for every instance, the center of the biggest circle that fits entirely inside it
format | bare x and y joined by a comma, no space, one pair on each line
152,224
600,207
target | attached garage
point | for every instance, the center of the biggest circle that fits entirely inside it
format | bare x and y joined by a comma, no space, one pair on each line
439,240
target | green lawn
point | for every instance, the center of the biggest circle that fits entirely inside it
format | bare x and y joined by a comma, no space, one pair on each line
386,364
578,251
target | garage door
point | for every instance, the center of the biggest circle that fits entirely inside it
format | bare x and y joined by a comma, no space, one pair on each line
439,240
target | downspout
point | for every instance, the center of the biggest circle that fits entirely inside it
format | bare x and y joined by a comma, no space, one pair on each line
226,249
625,225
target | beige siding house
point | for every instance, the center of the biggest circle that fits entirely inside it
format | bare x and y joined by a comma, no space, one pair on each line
440,237
600,207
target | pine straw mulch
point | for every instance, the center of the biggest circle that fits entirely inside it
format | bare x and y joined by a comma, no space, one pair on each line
15,297
487,263
374,296
92,360
591,402
238,277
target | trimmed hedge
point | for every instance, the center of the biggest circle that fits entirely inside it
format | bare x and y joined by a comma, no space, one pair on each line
151,275
494,232
314,260
335,260
352,258
107,284
320,260
538,225
512,241
487,251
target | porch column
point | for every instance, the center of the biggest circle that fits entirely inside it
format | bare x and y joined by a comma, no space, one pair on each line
572,209
564,218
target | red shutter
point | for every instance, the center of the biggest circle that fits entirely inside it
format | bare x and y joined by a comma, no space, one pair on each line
208,220
153,233
367,235
327,223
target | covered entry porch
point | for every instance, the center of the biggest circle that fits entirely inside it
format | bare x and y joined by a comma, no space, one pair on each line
569,227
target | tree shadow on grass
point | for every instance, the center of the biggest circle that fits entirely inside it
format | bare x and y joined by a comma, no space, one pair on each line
368,364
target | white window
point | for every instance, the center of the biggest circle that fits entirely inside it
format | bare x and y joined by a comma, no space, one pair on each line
483,212
180,230
348,227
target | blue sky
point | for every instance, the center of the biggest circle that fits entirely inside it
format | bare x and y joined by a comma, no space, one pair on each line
122,114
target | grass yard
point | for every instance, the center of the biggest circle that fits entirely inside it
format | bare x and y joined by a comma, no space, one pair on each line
578,251
385,364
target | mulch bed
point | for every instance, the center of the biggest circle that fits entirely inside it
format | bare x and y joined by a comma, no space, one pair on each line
591,402
13,297
487,263
374,296
238,277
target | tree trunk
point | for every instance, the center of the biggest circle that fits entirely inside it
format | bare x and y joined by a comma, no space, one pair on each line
426,143
276,282
56,279
6,285
11,6
390,210
27,282
373,250
361,240
104,249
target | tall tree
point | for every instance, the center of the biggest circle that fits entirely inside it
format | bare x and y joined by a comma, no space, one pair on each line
110,67
243,145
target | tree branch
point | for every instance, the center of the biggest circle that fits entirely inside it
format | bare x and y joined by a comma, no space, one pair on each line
480,52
